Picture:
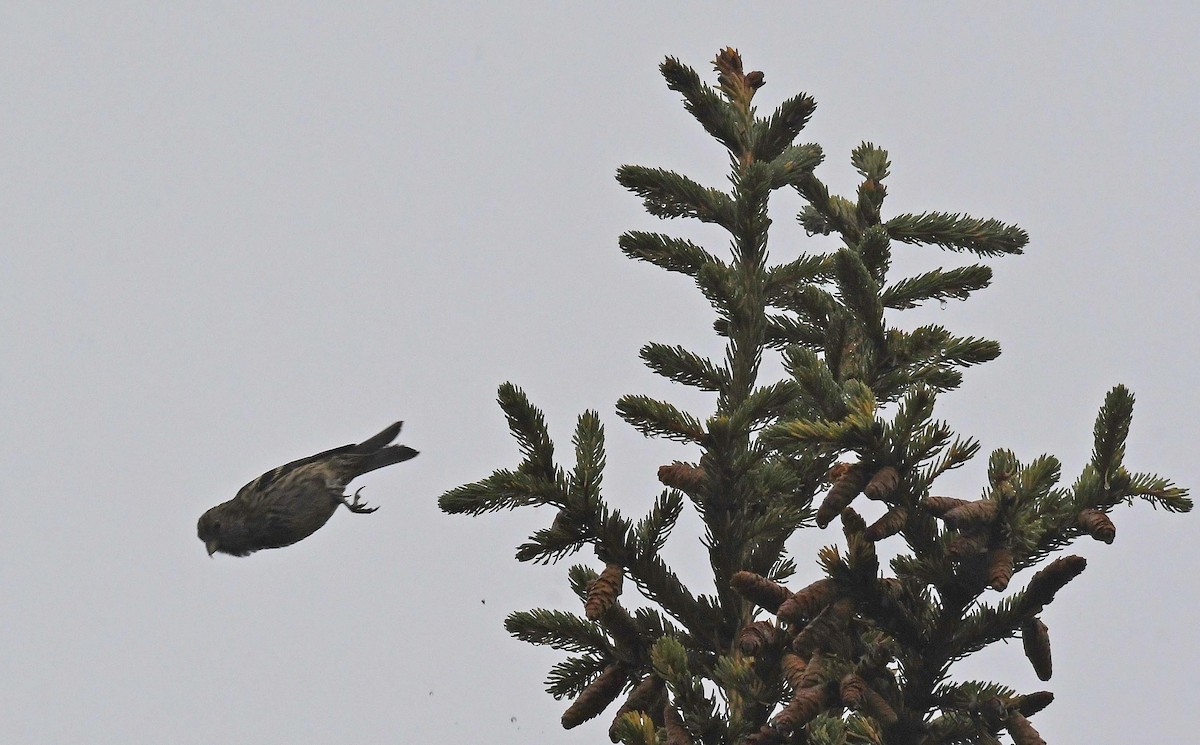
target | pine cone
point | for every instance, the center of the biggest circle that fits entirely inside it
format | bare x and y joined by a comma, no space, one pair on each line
1098,525
793,667
603,591
813,671
647,697
1000,567
596,697
941,505
878,708
843,492
1022,731
852,689
1032,703
808,602
882,484
1053,578
764,593
977,514
805,705
686,477
1035,638
757,636
890,524
852,523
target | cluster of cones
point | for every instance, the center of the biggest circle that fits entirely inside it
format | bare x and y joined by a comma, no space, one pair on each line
822,623
815,632
822,644
815,635
649,694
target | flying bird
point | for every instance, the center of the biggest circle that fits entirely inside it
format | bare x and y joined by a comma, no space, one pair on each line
291,502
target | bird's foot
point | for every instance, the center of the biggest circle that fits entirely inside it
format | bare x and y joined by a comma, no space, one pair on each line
354,504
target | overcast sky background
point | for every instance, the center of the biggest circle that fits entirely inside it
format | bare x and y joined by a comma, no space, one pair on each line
235,236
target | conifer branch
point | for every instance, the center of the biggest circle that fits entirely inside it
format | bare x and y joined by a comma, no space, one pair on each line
660,419
568,678
550,545
870,161
584,480
682,366
956,232
957,283
875,247
654,529
665,194
783,280
794,164
528,426
813,304
503,490
764,404
672,254
704,103
1112,429
557,629
779,130
821,391
826,213
859,292
783,332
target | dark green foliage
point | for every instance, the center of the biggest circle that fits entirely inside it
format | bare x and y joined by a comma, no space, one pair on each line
794,164
782,127
557,629
702,102
528,426
683,366
569,677
654,529
668,194
860,293
660,419
938,284
674,254
1112,427
958,233
853,420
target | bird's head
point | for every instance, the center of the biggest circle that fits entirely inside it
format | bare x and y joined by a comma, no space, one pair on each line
222,531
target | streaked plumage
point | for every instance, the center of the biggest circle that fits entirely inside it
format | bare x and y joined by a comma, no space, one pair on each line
289,503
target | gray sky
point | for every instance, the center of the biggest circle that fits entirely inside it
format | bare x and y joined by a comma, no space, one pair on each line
236,236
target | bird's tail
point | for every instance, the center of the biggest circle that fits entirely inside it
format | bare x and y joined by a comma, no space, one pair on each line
372,444
385,456
377,453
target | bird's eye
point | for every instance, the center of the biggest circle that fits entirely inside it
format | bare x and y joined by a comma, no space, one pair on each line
216,526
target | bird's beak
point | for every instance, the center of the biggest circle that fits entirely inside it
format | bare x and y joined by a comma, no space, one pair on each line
212,548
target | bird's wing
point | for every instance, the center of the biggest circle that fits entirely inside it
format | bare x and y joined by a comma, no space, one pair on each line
367,446
265,480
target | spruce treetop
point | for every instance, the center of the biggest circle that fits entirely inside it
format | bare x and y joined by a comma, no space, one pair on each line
859,652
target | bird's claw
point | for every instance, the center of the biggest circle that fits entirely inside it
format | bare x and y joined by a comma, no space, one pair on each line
354,504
